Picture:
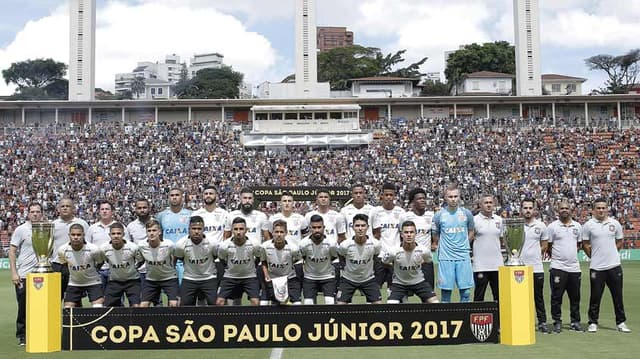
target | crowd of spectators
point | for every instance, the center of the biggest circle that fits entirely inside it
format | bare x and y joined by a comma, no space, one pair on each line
507,158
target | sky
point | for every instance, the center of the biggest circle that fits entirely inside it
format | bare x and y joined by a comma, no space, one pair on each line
256,37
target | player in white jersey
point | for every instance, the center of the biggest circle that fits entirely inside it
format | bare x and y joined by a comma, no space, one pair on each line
487,248
318,253
22,260
278,257
123,259
161,272
386,229
535,245
358,205
255,219
83,260
297,226
198,253
602,239
215,220
137,228
239,257
66,217
99,234
565,238
422,218
334,224
359,253
407,261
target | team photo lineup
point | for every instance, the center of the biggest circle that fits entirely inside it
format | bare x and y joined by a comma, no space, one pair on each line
211,256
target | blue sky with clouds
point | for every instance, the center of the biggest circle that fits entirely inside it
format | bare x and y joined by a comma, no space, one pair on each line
256,36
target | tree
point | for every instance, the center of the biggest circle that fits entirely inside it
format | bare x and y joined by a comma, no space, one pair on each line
622,70
39,79
435,88
497,56
337,66
220,82
181,87
137,86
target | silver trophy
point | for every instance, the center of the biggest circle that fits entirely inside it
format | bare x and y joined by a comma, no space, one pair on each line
514,241
42,241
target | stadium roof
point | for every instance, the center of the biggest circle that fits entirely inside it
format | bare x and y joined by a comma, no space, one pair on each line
385,79
556,77
488,74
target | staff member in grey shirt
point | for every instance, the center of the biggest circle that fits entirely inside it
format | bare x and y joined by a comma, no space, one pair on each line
22,260
602,238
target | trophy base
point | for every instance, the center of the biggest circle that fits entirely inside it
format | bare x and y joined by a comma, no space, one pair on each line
514,262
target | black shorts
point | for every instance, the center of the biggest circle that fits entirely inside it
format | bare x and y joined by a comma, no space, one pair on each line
232,288
293,286
153,289
115,289
423,290
190,290
370,289
75,294
310,288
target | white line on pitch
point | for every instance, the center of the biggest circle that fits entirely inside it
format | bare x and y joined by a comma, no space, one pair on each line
276,353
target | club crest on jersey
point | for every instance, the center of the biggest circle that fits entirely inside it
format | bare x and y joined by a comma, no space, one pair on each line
612,228
38,282
481,325
461,216
575,231
537,231
498,225
518,275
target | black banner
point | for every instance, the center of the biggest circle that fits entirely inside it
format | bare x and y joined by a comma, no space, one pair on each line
283,326
266,193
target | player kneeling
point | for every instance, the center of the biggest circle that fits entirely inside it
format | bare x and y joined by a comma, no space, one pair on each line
318,253
161,271
198,253
359,253
83,260
124,278
277,257
407,263
239,257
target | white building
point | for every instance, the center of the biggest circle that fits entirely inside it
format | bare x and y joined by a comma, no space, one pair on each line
527,41
155,74
484,83
82,50
377,87
205,61
553,84
306,84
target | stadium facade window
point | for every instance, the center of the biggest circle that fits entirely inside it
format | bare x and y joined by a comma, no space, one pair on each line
571,88
153,90
335,115
320,115
291,116
159,90
276,116
262,116
306,116
555,87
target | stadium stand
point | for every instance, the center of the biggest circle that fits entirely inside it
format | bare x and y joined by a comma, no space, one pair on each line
510,158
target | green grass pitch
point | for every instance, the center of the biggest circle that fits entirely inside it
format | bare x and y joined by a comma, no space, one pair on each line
606,343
